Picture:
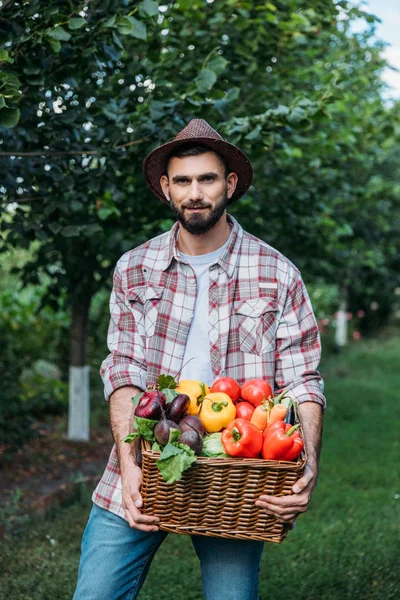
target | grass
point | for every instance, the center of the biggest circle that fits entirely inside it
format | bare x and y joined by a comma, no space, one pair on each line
345,547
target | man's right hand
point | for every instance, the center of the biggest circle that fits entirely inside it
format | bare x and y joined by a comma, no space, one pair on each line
131,480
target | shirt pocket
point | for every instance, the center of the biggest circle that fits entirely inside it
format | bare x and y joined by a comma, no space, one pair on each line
256,324
145,300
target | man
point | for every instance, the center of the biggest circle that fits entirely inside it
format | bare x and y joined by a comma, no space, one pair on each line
204,299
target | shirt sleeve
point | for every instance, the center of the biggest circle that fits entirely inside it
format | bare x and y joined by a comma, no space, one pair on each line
298,347
125,365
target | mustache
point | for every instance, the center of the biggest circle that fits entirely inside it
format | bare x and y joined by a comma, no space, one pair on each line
195,205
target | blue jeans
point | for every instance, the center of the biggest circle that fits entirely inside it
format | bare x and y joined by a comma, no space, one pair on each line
115,560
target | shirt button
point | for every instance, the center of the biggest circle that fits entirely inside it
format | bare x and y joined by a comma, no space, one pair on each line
192,281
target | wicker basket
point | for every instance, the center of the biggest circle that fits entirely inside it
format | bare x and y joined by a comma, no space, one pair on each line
216,496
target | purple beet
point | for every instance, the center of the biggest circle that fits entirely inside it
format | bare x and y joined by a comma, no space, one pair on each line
177,408
192,423
193,440
162,429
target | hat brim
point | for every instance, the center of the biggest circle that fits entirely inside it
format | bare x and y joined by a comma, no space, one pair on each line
236,160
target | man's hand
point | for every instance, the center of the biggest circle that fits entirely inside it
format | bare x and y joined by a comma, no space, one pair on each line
131,480
286,508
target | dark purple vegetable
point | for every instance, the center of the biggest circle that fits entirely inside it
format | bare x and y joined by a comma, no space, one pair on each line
150,405
192,423
177,408
162,429
193,440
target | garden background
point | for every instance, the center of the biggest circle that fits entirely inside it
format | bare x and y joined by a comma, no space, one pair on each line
87,89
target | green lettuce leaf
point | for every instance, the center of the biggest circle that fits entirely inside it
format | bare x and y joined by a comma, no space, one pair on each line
213,447
174,460
143,428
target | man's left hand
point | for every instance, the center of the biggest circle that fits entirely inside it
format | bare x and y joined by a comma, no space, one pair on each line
286,508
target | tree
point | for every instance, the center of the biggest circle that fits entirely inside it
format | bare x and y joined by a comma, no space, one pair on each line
105,82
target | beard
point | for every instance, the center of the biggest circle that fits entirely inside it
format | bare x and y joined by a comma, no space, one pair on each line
199,223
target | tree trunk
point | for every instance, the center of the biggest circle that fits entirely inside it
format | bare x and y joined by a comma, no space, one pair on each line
341,327
78,415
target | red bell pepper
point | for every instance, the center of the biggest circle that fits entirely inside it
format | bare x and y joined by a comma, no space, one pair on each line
242,439
282,442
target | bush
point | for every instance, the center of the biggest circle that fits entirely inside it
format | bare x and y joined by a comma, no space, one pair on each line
30,387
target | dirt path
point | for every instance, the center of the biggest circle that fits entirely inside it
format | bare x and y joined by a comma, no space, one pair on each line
46,470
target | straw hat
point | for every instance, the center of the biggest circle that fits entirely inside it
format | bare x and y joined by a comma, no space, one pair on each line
198,131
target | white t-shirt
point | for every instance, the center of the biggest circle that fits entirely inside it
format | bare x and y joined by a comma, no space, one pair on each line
198,345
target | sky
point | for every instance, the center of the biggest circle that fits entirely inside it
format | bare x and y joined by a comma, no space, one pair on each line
388,30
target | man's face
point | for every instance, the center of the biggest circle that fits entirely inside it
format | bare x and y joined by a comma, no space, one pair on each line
198,190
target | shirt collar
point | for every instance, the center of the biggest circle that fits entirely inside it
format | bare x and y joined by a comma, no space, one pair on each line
228,259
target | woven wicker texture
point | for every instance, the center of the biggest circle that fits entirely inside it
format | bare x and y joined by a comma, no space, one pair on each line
215,497
198,131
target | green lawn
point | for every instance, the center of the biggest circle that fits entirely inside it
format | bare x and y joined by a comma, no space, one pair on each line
346,546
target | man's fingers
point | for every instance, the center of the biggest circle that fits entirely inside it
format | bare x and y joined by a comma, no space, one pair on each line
303,482
137,520
137,499
286,501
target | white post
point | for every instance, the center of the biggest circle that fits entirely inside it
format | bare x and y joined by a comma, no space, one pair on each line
341,324
78,414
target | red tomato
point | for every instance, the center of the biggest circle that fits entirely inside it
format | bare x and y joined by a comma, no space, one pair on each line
255,391
244,410
228,386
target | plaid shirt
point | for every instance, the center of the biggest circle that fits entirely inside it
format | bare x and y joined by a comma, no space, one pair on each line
261,324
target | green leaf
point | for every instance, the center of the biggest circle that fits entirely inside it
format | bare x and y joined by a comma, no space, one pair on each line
166,381
31,70
71,231
139,29
9,117
59,33
55,45
149,7
131,437
90,230
111,22
131,26
217,64
156,447
2,102
297,115
174,435
174,460
136,399
169,395
5,57
205,80
157,110
76,22
145,428
125,26
254,133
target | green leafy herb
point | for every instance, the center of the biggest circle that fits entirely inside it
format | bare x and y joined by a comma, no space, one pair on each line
174,460
166,381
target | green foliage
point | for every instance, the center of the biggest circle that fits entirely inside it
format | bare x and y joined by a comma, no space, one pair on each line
31,345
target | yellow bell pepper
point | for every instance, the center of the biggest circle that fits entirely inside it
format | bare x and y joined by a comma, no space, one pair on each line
217,411
195,390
